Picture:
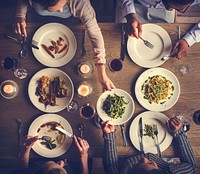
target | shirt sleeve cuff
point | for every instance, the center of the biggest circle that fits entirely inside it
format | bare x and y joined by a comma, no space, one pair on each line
110,136
179,132
189,39
129,9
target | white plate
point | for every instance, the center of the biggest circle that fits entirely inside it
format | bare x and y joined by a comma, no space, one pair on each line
41,149
62,103
144,56
149,117
52,31
130,107
154,106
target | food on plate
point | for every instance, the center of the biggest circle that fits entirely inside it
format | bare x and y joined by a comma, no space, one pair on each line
48,89
56,47
56,137
157,89
148,129
114,106
47,50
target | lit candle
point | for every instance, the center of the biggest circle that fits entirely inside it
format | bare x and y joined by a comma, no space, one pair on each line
83,90
84,69
8,89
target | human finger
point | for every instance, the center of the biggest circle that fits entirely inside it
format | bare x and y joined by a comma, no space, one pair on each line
77,143
140,30
174,49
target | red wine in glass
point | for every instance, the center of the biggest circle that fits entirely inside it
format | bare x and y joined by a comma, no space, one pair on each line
115,65
9,63
87,111
196,117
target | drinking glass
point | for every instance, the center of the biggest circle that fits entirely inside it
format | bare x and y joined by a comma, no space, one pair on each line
196,117
72,107
84,89
87,111
10,63
185,119
115,65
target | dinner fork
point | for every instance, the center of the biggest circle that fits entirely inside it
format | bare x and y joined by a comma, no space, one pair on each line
147,43
155,129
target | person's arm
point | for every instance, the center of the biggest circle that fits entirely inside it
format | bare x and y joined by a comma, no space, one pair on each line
20,17
84,11
25,152
110,159
181,46
193,36
83,147
127,7
187,158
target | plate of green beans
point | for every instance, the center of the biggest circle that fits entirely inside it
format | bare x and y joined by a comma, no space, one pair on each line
116,105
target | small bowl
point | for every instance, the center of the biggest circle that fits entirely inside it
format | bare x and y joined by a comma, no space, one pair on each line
14,89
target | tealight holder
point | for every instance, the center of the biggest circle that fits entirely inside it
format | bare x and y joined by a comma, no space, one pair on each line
9,89
85,69
84,89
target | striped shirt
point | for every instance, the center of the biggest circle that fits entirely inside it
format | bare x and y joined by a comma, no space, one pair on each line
187,160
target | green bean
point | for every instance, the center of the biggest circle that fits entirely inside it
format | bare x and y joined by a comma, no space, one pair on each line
114,106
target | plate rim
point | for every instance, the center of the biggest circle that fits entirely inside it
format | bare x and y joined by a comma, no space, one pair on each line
56,116
113,90
66,28
140,101
157,63
51,69
145,114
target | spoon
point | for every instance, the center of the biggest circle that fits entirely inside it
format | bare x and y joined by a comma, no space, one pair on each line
81,128
22,52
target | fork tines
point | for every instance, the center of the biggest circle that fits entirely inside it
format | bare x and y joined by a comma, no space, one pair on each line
147,43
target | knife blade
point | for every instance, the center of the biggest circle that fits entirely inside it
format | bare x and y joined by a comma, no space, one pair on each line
123,44
65,132
141,135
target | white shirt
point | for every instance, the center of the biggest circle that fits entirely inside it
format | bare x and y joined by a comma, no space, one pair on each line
127,7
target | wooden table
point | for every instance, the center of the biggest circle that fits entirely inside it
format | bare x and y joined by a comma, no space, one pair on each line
21,106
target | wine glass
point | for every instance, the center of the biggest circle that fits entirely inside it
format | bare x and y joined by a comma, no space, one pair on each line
185,119
72,107
10,63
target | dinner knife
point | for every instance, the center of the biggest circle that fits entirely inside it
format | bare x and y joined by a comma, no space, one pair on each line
141,135
123,43
65,132
123,135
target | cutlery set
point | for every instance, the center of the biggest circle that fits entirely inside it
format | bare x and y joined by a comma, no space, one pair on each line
141,134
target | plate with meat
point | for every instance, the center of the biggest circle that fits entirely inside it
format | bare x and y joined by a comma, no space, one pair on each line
52,143
50,90
57,44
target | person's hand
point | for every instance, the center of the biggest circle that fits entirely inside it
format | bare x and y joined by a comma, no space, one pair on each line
106,82
133,26
82,146
20,26
179,49
106,127
26,146
174,125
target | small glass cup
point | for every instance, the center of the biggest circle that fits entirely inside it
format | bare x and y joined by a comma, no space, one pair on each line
85,69
196,117
84,89
72,107
20,73
87,111
10,63
185,69
115,65
9,89
184,119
